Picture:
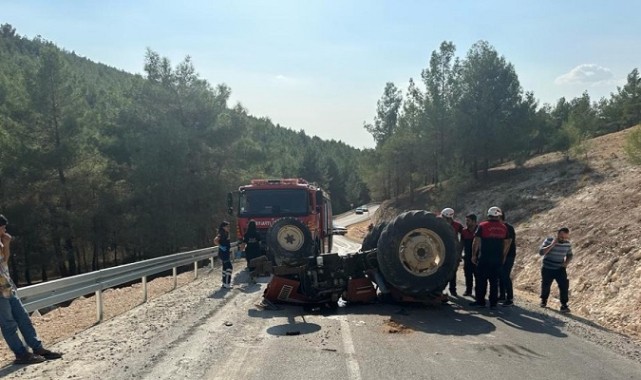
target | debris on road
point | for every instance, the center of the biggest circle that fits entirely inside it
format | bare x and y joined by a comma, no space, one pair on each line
394,327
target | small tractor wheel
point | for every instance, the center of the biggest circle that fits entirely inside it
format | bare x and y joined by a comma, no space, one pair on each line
290,241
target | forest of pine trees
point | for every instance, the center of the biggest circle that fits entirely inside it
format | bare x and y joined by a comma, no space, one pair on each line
99,167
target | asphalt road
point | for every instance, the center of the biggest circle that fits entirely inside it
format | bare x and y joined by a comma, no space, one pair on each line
353,218
342,244
195,332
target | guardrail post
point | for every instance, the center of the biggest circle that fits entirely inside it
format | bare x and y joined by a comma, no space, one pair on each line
144,289
175,274
99,313
211,262
196,270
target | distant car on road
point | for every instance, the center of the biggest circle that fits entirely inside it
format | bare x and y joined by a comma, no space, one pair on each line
364,208
358,210
339,230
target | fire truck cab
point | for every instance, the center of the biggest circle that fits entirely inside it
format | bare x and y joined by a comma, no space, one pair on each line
267,200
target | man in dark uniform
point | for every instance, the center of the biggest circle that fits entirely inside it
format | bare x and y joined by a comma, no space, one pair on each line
467,237
448,215
506,292
224,253
489,250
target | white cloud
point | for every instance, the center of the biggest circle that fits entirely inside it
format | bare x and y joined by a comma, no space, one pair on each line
285,80
587,73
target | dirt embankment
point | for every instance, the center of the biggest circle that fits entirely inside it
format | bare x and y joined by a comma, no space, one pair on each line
599,199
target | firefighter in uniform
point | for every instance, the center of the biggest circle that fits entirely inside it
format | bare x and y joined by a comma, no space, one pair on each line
489,248
224,253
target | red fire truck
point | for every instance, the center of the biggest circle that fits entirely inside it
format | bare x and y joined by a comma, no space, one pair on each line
304,209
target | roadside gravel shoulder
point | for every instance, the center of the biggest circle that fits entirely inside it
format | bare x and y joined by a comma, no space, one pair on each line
64,323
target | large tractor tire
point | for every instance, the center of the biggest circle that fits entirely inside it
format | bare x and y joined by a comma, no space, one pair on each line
417,253
370,241
290,242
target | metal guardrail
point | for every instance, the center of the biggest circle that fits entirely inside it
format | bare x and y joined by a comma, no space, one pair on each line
51,293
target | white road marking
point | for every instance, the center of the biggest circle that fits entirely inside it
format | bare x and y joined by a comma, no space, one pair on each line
353,369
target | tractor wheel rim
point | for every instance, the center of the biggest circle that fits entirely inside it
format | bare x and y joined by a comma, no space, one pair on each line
290,238
422,252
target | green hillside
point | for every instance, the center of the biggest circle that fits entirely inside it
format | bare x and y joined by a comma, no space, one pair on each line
100,167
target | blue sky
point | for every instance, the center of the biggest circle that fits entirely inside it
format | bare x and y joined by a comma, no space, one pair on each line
321,66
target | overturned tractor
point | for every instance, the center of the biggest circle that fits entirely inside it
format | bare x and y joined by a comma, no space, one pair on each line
411,258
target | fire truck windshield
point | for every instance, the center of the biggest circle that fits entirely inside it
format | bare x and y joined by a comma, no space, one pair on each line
277,202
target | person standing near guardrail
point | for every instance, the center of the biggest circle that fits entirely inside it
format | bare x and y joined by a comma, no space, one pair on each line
251,244
13,316
224,252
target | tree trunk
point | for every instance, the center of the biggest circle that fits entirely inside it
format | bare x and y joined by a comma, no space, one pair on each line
71,257
411,188
94,256
27,266
436,169
60,261
80,260
475,169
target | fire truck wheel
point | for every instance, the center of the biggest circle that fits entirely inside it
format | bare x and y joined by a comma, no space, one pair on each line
290,241
417,253
371,239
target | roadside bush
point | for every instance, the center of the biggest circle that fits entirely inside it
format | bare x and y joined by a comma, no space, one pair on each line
633,145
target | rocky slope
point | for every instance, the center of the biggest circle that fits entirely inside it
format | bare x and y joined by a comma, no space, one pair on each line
598,198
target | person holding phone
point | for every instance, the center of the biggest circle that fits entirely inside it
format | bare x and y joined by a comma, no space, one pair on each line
557,254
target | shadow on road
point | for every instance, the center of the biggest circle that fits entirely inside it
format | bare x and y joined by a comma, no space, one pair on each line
521,319
219,293
442,320
453,319
533,322
11,368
